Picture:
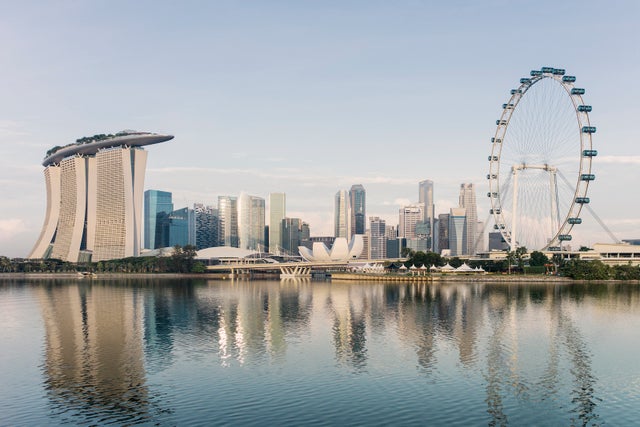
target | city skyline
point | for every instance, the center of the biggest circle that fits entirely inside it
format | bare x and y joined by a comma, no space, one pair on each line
310,99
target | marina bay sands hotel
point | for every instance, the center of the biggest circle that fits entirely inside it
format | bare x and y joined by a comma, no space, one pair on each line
94,197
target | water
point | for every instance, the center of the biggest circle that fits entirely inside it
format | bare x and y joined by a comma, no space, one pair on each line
180,352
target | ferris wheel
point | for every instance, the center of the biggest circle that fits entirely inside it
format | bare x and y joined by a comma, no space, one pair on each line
540,161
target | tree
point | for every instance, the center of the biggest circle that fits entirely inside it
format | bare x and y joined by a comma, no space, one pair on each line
538,259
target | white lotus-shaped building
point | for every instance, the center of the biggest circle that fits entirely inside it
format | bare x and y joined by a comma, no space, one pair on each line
340,251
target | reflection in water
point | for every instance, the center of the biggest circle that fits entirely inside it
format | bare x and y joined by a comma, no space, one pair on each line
93,357
519,344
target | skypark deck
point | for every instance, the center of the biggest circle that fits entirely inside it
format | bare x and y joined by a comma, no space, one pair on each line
136,139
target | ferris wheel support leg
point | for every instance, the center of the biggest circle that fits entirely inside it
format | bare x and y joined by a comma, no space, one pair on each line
555,214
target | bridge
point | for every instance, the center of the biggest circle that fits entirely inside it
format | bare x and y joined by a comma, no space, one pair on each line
286,269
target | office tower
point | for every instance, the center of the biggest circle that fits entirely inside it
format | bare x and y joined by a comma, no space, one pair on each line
357,202
206,226
228,221
457,231
251,211
378,238
341,215
277,212
291,231
182,227
305,234
391,232
468,201
409,217
94,198
366,248
157,204
443,232
425,197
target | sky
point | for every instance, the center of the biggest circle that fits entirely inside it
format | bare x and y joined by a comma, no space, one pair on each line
308,98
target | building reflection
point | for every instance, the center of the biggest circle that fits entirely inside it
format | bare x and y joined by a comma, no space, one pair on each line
93,357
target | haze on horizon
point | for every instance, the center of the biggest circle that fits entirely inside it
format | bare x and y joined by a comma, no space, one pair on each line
307,98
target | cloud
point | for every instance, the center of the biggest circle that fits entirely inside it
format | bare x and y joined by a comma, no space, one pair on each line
10,228
11,128
632,160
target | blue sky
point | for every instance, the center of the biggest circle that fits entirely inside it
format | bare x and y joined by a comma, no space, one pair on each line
307,97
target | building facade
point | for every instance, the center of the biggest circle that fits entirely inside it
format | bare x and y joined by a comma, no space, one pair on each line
358,205
443,232
182,227
157,207
341,215
251,214
457,231
206,226
228,221
467,200
277,212
378,238
425,197
95,198
409,216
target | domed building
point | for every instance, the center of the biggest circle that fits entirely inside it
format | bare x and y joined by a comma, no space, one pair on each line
340,250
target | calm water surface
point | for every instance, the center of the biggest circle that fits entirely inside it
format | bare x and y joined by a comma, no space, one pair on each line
180,352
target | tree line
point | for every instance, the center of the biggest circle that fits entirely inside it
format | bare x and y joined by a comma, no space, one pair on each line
181,261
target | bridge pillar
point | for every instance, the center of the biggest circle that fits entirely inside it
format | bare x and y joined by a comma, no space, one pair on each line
295,272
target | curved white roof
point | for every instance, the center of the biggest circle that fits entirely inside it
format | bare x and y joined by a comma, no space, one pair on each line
340,251
224,252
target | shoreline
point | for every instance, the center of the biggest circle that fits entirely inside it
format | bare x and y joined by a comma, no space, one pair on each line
337,277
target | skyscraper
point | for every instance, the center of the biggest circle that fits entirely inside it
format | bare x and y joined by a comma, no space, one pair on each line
277,212
228,217
94,198
378,239
409,217
425,197
468,201
182,227
341,215
157,204
457,231
251,222
357,202
291,235
443,232
206,226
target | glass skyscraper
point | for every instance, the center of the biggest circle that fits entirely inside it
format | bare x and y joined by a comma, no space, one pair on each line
341,215
157,207
228,217
457,231
425,197
251,222
206,226
357,202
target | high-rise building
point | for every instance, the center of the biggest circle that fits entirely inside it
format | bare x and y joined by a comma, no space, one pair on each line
357,202
468,201
497,242
251,222
291,233
206,226
277,212
409,217
425,197
94,198
443,232
341,215
378,238
457,231
480,244
182,227
157,206
228,221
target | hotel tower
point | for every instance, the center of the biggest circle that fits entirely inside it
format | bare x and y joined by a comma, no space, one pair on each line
94,198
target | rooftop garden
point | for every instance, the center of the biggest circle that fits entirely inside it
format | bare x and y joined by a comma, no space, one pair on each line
89,139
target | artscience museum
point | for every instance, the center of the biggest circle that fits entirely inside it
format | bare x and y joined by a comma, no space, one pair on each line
340,251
